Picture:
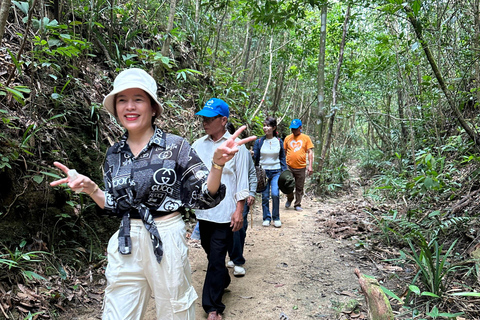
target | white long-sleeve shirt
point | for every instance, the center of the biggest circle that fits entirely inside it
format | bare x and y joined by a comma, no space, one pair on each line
234,177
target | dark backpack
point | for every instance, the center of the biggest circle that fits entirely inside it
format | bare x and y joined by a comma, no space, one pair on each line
261,179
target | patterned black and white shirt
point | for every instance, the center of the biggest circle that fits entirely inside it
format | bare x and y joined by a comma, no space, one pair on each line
165,176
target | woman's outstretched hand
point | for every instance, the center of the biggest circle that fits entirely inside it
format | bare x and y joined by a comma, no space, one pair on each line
76,182
229,148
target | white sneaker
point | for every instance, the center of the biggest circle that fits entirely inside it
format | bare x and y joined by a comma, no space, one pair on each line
230,264
266,223
238,271
277,223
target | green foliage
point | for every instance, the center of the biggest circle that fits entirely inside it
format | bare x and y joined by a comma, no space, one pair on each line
20,263
58,47
4,162
434,175
334,172
434,266
16,92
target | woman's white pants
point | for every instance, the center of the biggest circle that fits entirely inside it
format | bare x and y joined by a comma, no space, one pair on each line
131,279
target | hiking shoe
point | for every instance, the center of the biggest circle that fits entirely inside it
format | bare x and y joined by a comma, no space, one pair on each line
277,223
266,223
230,264
298,208
288,204
238,271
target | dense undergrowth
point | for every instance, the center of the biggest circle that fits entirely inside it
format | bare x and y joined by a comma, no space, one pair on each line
432,223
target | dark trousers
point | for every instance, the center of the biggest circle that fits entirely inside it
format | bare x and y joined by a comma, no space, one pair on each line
235,251
216,238
299,175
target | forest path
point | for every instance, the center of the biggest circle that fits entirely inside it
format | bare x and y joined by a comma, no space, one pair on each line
297,271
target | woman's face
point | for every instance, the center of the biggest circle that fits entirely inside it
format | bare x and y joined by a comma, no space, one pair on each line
134,109
268,129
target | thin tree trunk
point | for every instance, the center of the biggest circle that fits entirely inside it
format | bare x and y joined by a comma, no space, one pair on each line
171,20
401,115
320,125
253,68
387,119
4,8
417,26
25,38
246,51
279,87
217,39
476,44
334,90
268,81
197,11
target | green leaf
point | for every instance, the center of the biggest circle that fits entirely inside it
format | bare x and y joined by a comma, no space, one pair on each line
391,294
53,175
466,294
428,183
429,294
414,289
417,4
30,275
23,6
433,313
38,179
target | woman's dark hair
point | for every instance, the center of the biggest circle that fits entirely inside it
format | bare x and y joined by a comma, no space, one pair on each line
230,127
271,122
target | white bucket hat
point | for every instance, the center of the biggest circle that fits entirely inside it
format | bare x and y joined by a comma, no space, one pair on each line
128,79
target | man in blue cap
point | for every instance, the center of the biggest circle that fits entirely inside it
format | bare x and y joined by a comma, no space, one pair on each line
218,224
297,146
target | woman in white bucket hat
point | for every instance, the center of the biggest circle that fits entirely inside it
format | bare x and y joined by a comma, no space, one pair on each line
149,176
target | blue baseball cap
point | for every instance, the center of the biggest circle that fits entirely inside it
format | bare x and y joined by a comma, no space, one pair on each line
214,107
296,123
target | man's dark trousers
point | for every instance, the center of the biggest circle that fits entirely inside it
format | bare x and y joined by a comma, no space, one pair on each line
216,238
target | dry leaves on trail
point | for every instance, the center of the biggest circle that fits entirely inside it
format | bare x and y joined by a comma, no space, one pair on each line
19,300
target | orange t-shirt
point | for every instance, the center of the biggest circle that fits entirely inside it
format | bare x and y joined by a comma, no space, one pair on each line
296,150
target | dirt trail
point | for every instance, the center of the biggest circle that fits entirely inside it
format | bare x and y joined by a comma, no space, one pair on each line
295,271
303,270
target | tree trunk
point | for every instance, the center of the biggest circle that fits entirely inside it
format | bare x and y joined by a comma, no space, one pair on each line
4,9
268,81
320,123
417,26
246,52
476,45
401,115
171,20
379,307
217,38
334,90
279,87
253,68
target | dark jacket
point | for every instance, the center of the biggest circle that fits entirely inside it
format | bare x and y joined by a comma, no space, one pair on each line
281,155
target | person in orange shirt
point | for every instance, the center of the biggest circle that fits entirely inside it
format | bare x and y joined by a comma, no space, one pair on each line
297,145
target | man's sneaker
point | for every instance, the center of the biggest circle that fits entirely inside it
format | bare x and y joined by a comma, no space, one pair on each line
298,208
238,271
266,223
288,204
277,223
230,264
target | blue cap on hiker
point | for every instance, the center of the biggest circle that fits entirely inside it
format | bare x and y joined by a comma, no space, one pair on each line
214,107
296,123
